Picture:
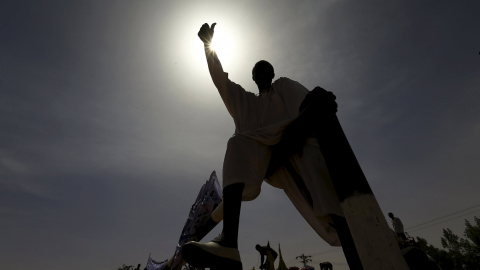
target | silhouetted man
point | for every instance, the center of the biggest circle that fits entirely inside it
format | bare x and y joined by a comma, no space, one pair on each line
260,120
398,226
267,256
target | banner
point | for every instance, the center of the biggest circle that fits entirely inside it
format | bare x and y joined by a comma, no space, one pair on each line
154,265
209,197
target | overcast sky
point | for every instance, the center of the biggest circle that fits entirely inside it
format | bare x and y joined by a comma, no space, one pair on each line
110,124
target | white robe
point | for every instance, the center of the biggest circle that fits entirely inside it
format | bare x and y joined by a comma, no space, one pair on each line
397,225
259,123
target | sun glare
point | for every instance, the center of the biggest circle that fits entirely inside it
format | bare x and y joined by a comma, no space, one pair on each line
223,44
228,42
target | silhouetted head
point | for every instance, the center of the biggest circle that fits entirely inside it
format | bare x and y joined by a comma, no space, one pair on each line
263,74
390,215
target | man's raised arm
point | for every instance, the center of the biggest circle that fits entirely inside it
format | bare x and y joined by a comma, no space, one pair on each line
214,66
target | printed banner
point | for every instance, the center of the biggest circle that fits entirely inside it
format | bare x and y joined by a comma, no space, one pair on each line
209,197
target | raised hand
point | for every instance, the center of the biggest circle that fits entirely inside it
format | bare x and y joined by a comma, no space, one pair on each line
206,33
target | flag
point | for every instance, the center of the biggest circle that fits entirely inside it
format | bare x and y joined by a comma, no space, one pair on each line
208,198
154,265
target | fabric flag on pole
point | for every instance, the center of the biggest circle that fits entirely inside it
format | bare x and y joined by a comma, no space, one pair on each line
207,200
209,197
154,265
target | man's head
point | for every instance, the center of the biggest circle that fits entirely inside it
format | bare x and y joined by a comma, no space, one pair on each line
390,215
263,74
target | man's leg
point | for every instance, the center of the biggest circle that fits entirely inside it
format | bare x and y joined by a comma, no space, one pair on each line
245,159
232,202
222,252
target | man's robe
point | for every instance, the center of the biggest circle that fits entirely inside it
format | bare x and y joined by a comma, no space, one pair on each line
397,225
259,123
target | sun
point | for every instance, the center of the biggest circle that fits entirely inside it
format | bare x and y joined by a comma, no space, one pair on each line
229,43
219,43
223,44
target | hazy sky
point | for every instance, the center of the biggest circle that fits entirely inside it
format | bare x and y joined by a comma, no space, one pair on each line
110,124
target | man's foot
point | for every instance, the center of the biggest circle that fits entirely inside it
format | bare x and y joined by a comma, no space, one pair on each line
212,255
